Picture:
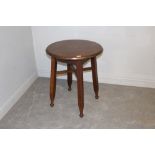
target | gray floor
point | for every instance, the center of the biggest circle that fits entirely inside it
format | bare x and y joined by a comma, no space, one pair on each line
117,107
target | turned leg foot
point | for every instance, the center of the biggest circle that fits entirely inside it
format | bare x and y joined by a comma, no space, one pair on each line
81,115
69,88
52,104
97,97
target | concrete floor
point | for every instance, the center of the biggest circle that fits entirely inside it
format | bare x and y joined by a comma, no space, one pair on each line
117,107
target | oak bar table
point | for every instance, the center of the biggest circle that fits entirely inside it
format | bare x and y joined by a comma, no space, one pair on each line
75,53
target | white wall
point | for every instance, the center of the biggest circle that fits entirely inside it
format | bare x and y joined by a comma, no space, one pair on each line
128,58
17,65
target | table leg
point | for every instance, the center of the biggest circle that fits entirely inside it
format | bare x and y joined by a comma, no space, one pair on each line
53,80
69,76
95,76
80,88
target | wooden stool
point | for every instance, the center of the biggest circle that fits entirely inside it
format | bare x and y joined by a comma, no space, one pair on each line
75,53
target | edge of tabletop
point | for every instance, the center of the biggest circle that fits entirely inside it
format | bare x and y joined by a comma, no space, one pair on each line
76,58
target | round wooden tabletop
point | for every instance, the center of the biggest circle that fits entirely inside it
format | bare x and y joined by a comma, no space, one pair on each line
74,49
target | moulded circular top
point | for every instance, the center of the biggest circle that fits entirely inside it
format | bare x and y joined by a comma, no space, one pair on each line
74,49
